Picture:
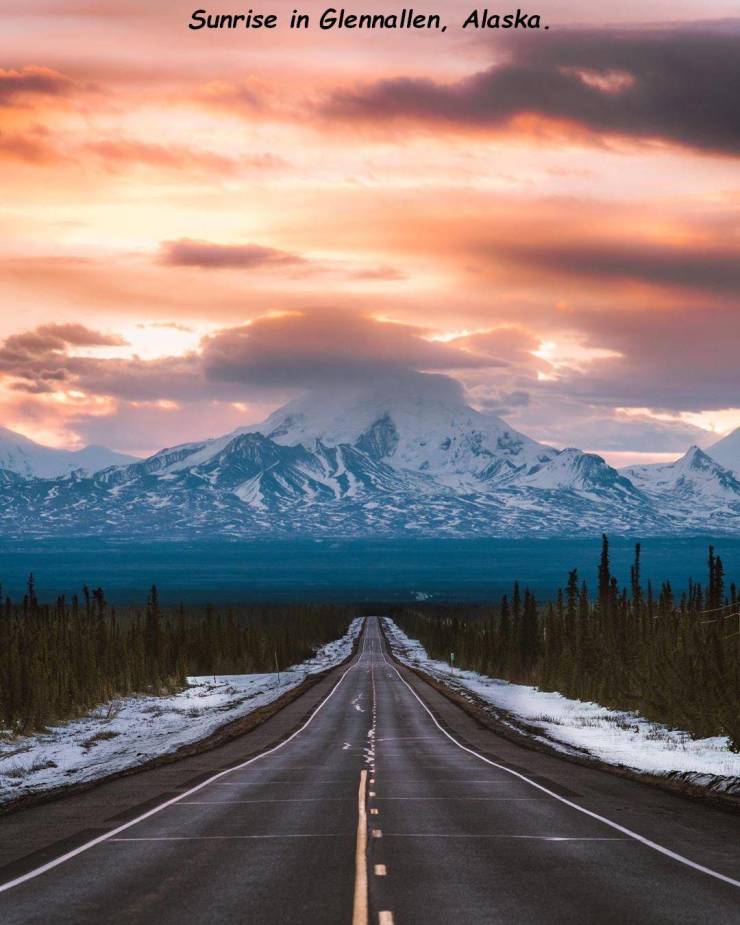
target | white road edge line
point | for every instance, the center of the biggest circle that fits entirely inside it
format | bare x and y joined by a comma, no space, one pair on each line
581,809
360,907
37,871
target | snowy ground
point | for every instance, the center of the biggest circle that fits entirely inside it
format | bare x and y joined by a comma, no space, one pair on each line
613,736
132,730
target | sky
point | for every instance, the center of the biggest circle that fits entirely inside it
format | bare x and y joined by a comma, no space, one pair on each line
196,226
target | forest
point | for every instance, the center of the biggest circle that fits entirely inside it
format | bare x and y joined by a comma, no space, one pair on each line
61,659
675,658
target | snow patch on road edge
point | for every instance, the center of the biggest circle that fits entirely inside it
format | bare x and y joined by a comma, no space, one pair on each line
622,739
132,731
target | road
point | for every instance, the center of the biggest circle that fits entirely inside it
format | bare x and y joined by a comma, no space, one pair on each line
461,826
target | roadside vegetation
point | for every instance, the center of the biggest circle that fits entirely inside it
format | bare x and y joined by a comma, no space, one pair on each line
674,658
61,659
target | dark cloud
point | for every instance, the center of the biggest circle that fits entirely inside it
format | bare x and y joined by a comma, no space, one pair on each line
38,361
52,338
32,81
674,84
273,354
309,350
685,359
715,270
208,256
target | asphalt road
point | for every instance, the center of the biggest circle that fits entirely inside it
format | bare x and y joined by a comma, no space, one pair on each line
461,826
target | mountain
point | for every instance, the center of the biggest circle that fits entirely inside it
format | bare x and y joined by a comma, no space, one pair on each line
727,451
26,458
695,487
406,456
416,424
574,470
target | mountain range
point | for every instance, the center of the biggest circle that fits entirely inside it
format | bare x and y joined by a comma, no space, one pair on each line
28,458
403,456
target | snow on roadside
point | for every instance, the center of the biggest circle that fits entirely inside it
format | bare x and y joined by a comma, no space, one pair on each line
614,736
131,730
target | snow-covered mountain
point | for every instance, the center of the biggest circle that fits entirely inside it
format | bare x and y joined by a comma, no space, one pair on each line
695,486
574,470
415,424
403,457
727,451
26,458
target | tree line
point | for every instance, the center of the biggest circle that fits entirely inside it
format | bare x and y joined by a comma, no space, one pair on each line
61,659
675,658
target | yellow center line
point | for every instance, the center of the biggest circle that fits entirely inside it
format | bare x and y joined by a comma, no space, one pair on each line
360,912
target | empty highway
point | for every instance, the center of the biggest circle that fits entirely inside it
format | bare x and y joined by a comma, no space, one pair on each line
371,799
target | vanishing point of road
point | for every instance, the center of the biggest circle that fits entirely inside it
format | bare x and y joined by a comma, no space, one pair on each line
371,798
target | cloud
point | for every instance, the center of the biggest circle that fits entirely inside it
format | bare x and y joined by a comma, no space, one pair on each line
383,274
246,97
53,338
32,147
509,343
238,375
272,354
563,421
679,360
660,83
32,81
37,145
125,151
144,427
714,269
172,325
308,350
503,402
208,256
256,366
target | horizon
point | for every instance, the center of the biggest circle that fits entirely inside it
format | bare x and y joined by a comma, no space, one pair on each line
615,459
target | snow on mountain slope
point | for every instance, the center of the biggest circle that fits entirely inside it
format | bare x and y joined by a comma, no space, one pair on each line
695,487
574,470
26,458
416,423
405,456
727,451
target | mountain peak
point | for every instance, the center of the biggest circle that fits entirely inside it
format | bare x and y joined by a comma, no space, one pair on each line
406,455
29,459
420,423
574,470
695,478
727,451
694,457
